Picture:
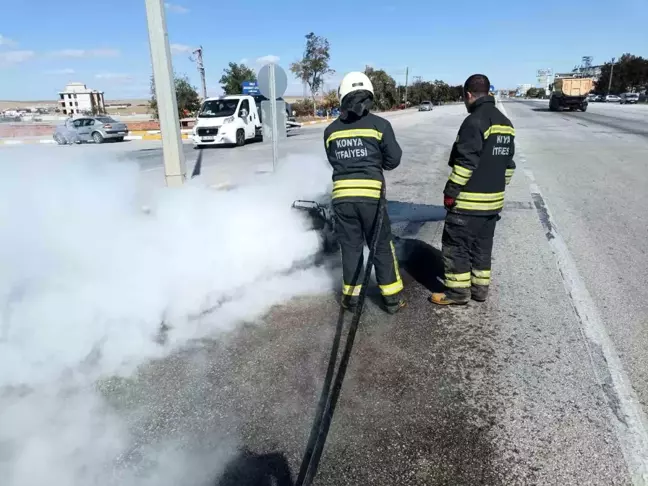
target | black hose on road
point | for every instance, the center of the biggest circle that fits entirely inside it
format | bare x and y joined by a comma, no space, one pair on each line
329,396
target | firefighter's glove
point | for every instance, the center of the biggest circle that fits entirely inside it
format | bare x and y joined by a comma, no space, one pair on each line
449,202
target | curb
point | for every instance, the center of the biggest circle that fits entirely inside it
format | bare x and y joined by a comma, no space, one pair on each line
49,141
316,122
27,142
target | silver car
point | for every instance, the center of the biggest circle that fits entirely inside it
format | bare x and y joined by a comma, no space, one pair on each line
92,128
425,106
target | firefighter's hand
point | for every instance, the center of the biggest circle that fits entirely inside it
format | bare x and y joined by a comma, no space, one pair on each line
449,202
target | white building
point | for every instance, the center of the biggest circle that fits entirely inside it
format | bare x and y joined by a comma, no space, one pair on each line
76,98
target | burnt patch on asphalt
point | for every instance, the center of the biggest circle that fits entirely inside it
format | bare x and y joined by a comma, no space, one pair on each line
543,214
422,261
250,469
517,205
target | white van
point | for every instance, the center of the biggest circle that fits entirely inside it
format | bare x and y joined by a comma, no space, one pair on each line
227,120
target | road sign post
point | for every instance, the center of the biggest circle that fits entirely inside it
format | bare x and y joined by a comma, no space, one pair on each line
174,159
250,88
272,84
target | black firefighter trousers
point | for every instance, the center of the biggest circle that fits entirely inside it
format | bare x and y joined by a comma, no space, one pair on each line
354,227
467,243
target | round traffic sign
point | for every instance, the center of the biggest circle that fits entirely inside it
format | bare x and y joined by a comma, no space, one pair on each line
281,81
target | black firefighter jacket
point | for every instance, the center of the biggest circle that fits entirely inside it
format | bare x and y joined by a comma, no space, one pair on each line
359,148
481,160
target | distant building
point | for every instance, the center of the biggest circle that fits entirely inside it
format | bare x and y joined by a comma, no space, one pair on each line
76,98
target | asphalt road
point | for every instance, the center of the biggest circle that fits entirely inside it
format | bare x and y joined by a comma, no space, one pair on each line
527,388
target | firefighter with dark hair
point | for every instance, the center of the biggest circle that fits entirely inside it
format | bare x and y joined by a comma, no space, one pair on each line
482,165
360,146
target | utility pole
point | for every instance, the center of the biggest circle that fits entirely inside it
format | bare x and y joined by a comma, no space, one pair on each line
174,159
611,73
201,69
406,81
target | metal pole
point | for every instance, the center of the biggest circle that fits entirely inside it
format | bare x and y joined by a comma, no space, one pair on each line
201,70
174,159
611,73
406,80
273,114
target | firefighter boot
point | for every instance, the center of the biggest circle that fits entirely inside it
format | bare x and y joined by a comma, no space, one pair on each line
393,303
394,307
349,303
479,293
441,298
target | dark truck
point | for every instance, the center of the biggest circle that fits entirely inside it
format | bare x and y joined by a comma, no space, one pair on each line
570,93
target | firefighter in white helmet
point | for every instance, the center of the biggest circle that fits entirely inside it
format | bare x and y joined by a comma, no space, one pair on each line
360,146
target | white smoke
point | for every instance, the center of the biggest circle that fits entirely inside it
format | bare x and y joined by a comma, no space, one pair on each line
87,277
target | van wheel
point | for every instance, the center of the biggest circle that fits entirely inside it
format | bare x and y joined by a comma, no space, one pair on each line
97,137
240,138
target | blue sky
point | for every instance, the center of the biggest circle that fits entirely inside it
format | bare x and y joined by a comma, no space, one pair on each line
44,43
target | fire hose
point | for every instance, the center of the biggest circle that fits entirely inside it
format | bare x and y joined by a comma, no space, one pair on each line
332,386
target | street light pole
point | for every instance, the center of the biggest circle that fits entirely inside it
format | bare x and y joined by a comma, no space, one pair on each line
174,159
611,73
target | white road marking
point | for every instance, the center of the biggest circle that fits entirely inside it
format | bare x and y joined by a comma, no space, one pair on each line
624,406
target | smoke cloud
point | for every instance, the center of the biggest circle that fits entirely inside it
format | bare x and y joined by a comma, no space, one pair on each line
87,277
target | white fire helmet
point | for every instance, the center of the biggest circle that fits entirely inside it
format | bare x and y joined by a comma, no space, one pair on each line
354,81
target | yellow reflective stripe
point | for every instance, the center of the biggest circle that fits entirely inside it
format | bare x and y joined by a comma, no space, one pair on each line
458,276
359,183
480,206
357,132
397,286
452,284
457,179
500,130
396,268
509,172
352,290
481,273
461,171
391,289
480,196
480,281
372,193
507,181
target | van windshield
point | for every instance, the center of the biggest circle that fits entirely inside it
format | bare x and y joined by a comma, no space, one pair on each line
218,108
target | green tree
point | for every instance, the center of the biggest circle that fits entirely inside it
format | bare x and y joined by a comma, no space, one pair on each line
314,64
330,100
385,92
532,93
233,76
630,74
186,95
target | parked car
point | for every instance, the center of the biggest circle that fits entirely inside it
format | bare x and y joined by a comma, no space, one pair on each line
97,129
630,98
612,99
425,106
